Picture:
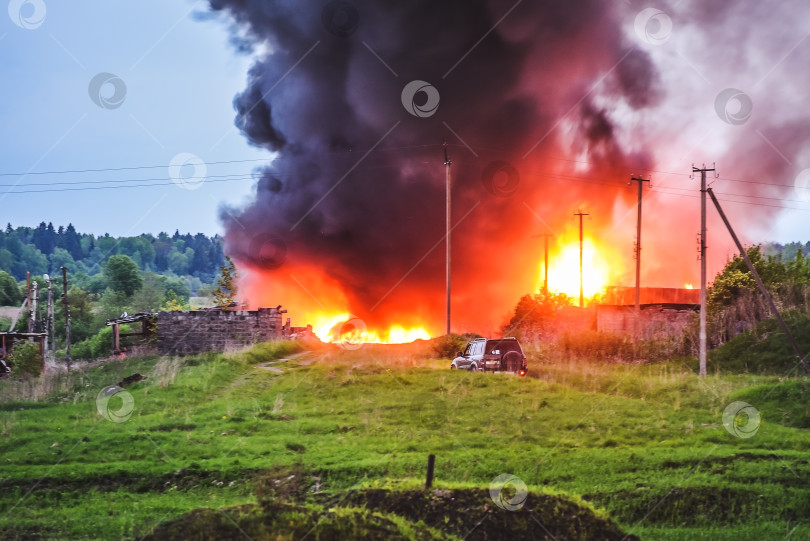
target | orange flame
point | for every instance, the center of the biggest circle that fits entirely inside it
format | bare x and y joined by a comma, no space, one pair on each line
347,329
314,298
601,266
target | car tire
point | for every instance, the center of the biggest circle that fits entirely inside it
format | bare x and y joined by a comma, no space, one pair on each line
473,368
452,367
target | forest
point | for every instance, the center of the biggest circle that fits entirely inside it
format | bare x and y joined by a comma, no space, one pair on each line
106,276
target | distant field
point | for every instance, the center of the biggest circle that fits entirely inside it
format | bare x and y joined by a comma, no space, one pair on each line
643,445
201,302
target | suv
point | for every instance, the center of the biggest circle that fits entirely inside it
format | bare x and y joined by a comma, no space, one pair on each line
492,355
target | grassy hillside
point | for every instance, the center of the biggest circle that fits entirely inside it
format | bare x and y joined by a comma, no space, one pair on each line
642,445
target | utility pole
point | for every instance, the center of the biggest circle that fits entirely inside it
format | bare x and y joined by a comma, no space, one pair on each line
545,267
34,305
28,299
50,341
581,296
702,346
67,316
762,288
447,164
640,181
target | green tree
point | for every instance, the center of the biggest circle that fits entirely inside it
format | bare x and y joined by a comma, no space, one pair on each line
82,320
174,303
122,274
61,258
150,297
10,294
535,313
225,293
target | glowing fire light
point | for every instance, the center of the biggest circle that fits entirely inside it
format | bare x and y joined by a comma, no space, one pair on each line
351,331
688,286
563,271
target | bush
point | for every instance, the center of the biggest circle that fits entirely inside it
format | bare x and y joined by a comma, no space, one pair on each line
26,359
100,345
448,346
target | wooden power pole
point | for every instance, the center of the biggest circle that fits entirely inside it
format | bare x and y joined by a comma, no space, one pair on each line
545,265
640,181
581,296
67,315
702,338
447,164
28,299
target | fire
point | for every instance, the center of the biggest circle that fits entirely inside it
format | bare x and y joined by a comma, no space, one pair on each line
598,270
316,299
348,329
688,286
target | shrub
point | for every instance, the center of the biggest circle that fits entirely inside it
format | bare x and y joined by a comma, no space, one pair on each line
99,345
26,359
448,346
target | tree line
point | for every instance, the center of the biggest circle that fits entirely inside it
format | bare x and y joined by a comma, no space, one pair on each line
107,277
45,249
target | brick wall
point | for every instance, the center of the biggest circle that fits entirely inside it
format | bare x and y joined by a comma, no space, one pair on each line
653,321
183,333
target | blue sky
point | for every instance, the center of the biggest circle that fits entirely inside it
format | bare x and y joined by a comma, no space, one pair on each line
180,76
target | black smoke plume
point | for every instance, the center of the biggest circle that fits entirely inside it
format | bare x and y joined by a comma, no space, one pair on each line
356,186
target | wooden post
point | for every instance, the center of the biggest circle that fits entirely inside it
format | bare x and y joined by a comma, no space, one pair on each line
116,338
430,464
67,315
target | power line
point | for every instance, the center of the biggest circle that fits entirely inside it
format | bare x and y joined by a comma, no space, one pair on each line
13,192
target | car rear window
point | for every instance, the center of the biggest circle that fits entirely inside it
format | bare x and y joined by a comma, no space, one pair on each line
503,347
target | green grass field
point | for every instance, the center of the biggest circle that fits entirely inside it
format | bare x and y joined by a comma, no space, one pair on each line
643,445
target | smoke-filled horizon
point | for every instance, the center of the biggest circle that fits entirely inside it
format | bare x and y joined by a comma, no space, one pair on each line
547,109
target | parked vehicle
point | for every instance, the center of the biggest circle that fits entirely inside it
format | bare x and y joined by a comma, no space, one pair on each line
492,355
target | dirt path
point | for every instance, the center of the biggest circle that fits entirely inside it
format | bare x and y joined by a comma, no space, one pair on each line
270,365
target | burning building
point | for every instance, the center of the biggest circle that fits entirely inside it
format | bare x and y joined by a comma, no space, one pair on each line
547,107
